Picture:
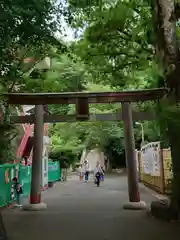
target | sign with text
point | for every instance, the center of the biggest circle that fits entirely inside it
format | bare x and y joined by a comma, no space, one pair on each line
150,158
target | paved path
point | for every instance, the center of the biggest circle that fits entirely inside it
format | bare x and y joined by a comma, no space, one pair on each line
78,210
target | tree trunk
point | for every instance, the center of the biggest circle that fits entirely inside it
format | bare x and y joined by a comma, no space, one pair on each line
66,172
168,58
109,162
174,138
109,166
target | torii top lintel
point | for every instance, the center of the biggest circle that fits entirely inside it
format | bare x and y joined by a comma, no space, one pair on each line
93,97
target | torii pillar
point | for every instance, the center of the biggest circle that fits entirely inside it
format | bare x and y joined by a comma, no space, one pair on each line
82,109
35,195
133,184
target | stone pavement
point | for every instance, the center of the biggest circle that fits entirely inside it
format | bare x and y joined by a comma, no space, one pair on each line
78,210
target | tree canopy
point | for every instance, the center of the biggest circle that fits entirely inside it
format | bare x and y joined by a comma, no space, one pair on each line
27,28
114,51
27,32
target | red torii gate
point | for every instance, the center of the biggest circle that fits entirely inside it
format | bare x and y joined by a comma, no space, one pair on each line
82,101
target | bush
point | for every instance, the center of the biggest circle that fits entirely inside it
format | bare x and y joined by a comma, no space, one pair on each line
66,157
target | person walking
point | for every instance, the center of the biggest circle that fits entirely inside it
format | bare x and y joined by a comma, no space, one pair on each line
81,172
98,172
86,170
102,173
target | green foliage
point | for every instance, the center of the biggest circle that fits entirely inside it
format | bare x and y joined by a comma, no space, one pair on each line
114,150
66,157
116,40
64,75
27,30
75,137
7,154
8,133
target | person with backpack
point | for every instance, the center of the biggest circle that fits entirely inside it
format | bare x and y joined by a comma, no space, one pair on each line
18,191
98,172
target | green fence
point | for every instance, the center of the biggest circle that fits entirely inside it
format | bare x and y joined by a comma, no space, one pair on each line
54,171
8,171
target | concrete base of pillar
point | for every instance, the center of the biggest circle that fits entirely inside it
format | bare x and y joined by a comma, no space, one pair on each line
135,206
34,207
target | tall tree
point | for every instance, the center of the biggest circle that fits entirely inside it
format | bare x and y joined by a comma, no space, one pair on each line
165,16
27,30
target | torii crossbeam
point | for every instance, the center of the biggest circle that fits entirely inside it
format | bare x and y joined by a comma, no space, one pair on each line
93,97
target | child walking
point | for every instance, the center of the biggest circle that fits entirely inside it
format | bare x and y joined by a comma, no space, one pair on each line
18,191
86,170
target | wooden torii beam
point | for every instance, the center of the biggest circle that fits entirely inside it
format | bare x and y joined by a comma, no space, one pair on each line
93,97
137,116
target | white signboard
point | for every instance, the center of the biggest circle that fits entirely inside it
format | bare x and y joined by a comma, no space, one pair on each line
156,159
46,140
45,171
150,155
137,162
144,159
